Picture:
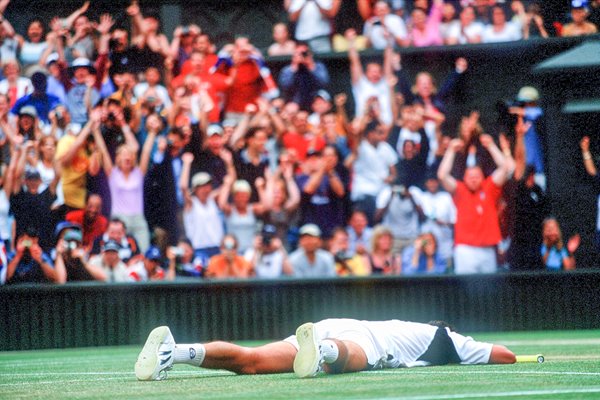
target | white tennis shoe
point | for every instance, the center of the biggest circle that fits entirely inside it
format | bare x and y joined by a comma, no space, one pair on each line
309,358
156,358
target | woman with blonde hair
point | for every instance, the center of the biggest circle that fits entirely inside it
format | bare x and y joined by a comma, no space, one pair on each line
555,255
126,180
382,259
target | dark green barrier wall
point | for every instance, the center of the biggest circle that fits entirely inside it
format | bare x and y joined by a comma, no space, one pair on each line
98,315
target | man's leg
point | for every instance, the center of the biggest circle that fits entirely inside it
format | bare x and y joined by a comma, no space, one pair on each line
271,358
351,358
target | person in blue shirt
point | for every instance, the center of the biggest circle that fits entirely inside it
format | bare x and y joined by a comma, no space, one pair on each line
29,263
555,255
42,101
422,257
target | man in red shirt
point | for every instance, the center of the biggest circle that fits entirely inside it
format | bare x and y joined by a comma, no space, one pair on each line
92,222
477,230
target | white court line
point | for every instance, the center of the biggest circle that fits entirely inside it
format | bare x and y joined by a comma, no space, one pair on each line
470,372
551,342
498,394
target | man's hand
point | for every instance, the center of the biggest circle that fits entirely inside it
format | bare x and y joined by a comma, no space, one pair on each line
456,145
461,64
573,243
486,140
36,253
585,144
187,158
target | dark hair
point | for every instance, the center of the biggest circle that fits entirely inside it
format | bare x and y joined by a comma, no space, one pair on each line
372,126
250,133
442,324
118,221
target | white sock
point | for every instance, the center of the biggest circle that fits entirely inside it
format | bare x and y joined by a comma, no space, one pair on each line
330,351
191,354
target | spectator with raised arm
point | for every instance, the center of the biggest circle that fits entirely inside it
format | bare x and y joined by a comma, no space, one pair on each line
477,229
557,256
370,82
426,28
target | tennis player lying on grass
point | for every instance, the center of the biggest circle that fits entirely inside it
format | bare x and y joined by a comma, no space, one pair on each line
331,345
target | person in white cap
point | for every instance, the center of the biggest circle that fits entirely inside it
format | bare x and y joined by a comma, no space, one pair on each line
332,346
201,215
309,260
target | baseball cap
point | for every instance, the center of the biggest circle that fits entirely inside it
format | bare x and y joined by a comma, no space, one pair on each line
73,234
214,129
82,62
153,253
61,226
201,179
28,110
528,94
241,186
32,174
229,122
111,245
310,230
323,94
579,4
52,58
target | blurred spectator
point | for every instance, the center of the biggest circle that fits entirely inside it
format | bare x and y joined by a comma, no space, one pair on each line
309,260
439,215
472,152
29,263
426,28
303,78
252,161
91,220
71,256
425,91
591,169
152,45
384,28
229,264
42,101
501,30
555,255
382,258
27,203
580,24
282,44
268,257
76,163
241,216
183,43
359,233
183,261
422,257
370,83
321,191
302,138
282,200
215,158
477,229
534,23
14,85
533,115
32,47
347,263
151,92
530,209
397,210
469,30
594,16
449,21
201,205
109,263
374,168
117,232
163,196
126,181
313,20
149,267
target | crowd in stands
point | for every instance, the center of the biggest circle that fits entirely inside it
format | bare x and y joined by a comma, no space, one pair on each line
129,157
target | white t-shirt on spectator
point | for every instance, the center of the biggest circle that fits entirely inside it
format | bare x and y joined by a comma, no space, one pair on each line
311,23
510,33
375,32
371,168
463,35
365,89
203,224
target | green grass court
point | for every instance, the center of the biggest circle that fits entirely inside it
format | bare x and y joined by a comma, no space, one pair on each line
571,371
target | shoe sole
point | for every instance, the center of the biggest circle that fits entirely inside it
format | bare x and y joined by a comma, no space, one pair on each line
147,367
306,362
